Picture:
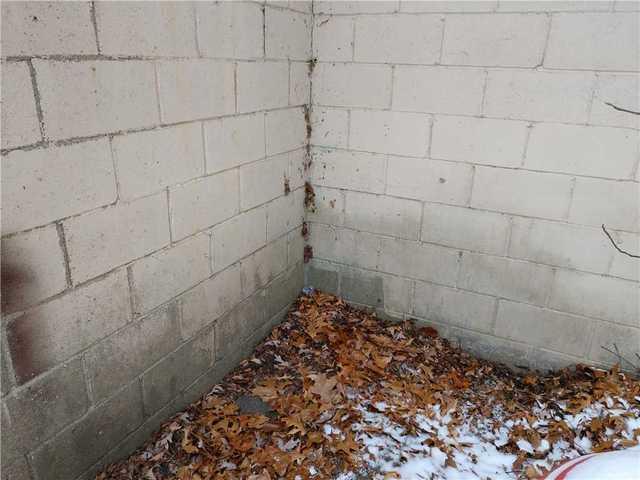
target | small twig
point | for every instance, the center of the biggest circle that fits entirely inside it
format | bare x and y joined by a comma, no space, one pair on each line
620,357
615,245
620,109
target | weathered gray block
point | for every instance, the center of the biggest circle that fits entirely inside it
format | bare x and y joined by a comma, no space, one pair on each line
239,324
20,125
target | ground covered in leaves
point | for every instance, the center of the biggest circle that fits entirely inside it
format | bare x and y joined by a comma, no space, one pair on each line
336,393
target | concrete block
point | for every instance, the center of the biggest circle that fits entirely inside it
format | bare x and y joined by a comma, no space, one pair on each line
20,124
398,38
454,307
285,213
149,29
209,300
479,140
177,371
593,41
382,214
594,151
264,180
397,133
548,360
295,247
419,261
193,89
91,438
622,265
233,141
333,38
621,91
44,407
104,239
202,203
123,356
521,192
409,93
88,98
298,168
329,206
536,95
465,228
322,276
543,328
33,268
242,321
430,180
329,127
38,340
262,85
149,161
354,7
163,275
625,6
287,34
47,28
43,185
607,298
18,470
560,244
375,290
352,85
351,170
230,29
7,377
555,6
511,40
506,278
263,266
299,83
411,6
615,204
238,237
285,130
349,247
512,354
610,336
13,448
282,291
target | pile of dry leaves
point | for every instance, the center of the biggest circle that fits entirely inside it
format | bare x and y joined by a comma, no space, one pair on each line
350,396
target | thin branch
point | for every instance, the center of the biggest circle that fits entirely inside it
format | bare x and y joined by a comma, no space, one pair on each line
615,245
620,109
620,357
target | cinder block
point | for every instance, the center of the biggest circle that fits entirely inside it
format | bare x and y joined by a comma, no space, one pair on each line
123,356
285,130
322,276
465,228
287,34
232,141
397,133
543,328
548,360
521,192
230,29
47,28
607,298
88,98
333,38
352,85
615,204
298,168
454,307
495,40
238,325
329,206
430,180
329,127
47,405
238,237
341,245
13,449
193,89
593,41
350,170
625,6
285,213
6,372
555,6
147,162
622,265
607,335
299,83
419,261
101,240
19,470
38,340
506,278
377,290
32,268
149,29
262,85
295,247
209,300
479,140
382,214
621,91
447,6
202,203
560,244
263,266
177,371
354,7
163,275
485,346
536,95
91,438
281,292
263,180
20,125
595,151
43,185
409,93
398,38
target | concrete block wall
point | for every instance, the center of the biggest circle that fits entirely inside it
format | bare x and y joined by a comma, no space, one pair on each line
152,174
465,156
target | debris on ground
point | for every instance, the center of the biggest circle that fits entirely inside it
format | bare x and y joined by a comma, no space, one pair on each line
336,393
